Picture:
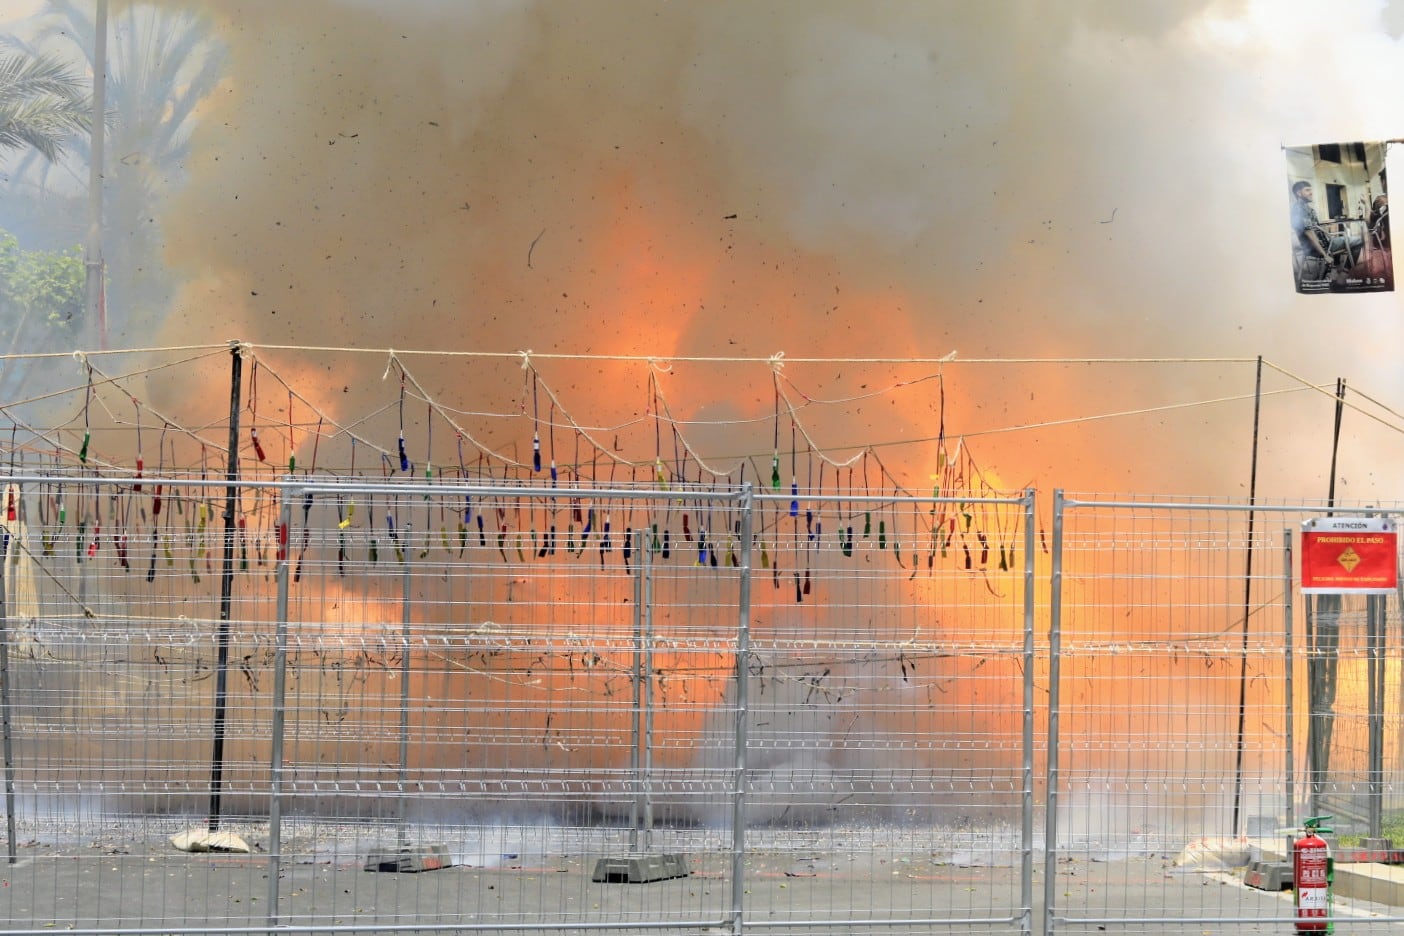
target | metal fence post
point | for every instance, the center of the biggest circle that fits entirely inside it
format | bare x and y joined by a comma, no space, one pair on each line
636,708
646,571
226,590
402,778
641,737
743,669
1055,617
280,682
5,723
1374,714
1027,806
1289,706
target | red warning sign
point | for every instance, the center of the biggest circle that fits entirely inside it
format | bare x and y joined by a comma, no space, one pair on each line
1349,555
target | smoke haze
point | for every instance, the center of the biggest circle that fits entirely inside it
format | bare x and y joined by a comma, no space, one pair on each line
1091,179
1007,180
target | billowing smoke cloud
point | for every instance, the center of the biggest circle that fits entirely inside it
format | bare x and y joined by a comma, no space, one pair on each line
823,178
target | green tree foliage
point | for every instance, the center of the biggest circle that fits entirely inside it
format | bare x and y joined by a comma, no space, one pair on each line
160,64
42,104
42,305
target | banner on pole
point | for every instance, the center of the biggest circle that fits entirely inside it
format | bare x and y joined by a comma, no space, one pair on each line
1349,556
1338,204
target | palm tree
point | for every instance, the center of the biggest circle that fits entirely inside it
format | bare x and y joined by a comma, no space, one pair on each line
161,65
43,108
42,104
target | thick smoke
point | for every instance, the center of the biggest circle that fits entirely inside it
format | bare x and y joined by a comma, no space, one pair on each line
827,179
1088,179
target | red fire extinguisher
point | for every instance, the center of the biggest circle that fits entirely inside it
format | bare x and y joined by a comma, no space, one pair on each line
1311,878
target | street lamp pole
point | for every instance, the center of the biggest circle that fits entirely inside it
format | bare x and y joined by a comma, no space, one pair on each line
96,300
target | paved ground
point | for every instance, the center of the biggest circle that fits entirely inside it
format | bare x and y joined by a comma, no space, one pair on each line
103,886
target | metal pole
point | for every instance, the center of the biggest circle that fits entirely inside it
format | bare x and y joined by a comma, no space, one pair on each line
1322,631
402,782
1374,666
1288,687
743,671
636,708
1322,666
646,565
93,262
1055,639
280,683
1309,645
226,588
1247,599
5,705
1335,443
1027,807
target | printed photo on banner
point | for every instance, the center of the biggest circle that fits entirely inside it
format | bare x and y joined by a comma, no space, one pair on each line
1338,205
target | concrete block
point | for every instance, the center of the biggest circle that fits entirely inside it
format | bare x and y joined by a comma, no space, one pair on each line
410,860
639,869
1268,875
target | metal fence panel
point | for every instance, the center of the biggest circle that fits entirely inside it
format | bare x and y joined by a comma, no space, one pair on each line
890,759
520,682
457,680
1183,669
113,609
292,718
540,688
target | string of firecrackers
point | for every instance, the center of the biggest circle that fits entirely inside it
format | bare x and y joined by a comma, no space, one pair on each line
555,661
502,642
906,654
197,534
657,409
949,477
43,441
246,352
493,638
389,461
88,531
505,460
956,472
826,680
86,534
175,646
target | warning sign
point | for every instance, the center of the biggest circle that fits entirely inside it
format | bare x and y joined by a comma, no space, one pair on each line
1349,556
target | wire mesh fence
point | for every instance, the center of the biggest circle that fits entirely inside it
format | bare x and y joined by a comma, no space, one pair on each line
381,706
1190,718
890,725
233,708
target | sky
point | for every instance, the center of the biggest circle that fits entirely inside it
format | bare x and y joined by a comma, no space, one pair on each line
1009,180
15,10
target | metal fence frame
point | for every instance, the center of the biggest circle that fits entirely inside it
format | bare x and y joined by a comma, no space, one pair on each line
1011,913
744,846
1298,797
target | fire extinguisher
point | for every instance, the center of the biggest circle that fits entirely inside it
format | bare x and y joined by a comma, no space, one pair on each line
1311,878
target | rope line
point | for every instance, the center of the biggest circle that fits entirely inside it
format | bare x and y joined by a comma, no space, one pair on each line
793,401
